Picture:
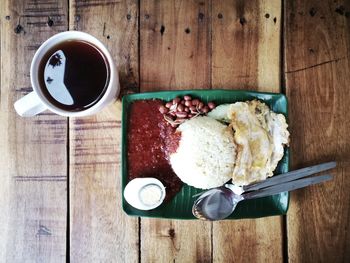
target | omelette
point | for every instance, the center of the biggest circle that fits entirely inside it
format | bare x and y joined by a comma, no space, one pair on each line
260,136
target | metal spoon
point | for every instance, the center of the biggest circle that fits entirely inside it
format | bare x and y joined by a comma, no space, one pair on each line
218,203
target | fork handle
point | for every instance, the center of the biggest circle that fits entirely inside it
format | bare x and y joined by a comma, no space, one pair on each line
286,187
290,176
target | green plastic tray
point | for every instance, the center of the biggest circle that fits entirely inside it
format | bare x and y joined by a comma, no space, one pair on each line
180,206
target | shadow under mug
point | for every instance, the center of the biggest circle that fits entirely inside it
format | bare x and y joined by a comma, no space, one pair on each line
36,102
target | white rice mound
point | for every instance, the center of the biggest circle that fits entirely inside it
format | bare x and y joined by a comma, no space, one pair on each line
206,154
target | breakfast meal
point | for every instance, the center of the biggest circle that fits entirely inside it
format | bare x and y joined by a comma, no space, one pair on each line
203,145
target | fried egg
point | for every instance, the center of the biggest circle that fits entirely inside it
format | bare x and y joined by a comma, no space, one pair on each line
276,126
259,135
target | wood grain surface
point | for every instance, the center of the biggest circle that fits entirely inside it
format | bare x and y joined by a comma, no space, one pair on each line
54,169
317,68
33,161
246,55
99,229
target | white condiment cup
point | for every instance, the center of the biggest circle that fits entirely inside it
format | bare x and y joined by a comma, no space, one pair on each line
144,193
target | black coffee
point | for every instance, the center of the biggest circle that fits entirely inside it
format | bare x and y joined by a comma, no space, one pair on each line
73,75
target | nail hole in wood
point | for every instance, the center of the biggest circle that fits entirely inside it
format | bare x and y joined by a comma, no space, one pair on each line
171,233
340,10
242,21
18,29
162,29
49,22
312,11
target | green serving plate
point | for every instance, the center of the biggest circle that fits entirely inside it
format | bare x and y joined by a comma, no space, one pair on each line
180,207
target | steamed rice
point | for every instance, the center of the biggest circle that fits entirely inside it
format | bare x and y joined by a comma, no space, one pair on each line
205,157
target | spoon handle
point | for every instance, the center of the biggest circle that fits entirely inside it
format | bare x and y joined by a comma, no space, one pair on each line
289,186
290,176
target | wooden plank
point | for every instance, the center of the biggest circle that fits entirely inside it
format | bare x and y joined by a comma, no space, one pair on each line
33,150
246,45
175,240
175,54
175,45
317,76
100,231
246,55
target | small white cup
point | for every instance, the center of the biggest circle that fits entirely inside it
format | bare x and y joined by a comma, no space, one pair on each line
35,102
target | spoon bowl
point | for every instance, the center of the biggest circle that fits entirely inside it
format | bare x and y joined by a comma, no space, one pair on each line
216,204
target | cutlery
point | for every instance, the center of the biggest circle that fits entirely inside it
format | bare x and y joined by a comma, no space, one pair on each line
218,203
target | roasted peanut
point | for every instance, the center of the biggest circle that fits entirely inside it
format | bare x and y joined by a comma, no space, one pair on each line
188,103
211,105
195,102
200,105
181,114
176,100
205,109
193,108
180,108
163,109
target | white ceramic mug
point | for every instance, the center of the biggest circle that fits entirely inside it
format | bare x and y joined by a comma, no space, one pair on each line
35,102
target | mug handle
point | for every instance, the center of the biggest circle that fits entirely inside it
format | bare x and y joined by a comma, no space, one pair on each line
29,105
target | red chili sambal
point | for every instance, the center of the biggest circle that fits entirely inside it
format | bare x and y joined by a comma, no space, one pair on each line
150,141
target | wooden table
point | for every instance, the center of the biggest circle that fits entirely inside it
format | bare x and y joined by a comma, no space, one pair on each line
60,178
